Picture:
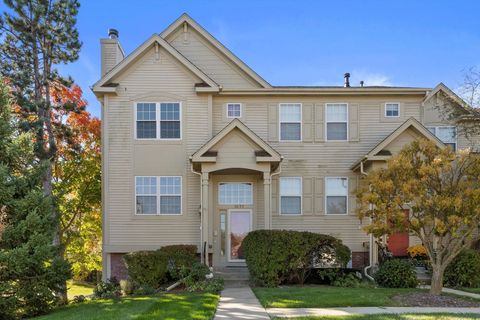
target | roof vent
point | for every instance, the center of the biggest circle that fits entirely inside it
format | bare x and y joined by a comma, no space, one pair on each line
113,33
347,80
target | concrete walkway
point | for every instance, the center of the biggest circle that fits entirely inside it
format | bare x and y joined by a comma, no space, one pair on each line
239,303
302,312
457,292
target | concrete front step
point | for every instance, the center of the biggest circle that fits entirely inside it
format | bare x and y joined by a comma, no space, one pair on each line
233,274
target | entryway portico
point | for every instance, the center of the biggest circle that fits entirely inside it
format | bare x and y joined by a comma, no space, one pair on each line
236,167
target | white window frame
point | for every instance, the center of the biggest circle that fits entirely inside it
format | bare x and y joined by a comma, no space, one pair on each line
336,195
234,182
280,121
385,109
158,195
233,103
327,122
291,195
435,128
158,121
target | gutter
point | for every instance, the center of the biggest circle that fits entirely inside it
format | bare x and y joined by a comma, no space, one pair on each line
202,258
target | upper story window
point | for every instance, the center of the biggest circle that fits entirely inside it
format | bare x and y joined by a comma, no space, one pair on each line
290,121
392,110
235,193
337,121
447,134
234,110
158,195
291,195
336,195
158,121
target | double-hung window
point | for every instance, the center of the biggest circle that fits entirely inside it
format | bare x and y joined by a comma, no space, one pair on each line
447,134
234,110
291,195
158,120
235,194
336,195
158,195
337,121
392,110
290,121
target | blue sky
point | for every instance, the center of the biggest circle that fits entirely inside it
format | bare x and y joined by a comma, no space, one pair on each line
404,43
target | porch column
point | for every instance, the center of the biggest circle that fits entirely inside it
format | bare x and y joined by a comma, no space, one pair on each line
205,210
267,199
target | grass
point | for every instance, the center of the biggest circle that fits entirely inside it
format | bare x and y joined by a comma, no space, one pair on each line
473,290
327,297
75,288
200,306
436,316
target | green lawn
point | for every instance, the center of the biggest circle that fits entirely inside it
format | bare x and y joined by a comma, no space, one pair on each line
473,290
78,288
167,307
437,316
325,297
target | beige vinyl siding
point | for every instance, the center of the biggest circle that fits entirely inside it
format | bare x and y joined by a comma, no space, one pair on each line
210,60
128,158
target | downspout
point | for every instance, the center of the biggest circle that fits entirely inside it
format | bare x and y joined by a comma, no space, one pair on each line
279,170
370,247
202,258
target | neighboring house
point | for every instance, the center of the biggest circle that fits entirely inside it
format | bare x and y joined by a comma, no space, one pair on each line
199,149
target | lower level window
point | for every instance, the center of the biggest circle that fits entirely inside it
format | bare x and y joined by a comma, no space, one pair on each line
336,195
158,195
291,195
447,134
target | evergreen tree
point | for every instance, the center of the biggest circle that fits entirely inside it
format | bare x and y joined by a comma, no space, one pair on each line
30,269
37,36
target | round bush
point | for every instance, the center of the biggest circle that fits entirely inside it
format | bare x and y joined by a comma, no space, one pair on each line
147,268
277,256
396,273
464,270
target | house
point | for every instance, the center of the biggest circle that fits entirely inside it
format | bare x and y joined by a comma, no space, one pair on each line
199,149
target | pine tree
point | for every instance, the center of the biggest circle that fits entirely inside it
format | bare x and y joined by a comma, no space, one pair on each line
37,36
31,271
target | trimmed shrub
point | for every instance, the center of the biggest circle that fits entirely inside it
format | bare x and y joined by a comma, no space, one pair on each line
278,256
147,268
109,289
196,278
396,273
464,270
178,257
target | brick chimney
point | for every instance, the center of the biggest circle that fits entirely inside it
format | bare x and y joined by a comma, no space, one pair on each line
111,51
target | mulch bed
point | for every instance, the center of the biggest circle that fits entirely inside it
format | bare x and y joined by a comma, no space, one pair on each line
420,299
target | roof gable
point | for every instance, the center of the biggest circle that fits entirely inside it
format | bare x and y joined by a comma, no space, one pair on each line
266,154
185,21
137,53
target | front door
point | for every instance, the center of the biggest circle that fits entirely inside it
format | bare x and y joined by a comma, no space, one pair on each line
239,225
398,242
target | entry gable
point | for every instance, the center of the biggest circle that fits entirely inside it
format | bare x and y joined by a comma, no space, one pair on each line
407,132
212,57
235,138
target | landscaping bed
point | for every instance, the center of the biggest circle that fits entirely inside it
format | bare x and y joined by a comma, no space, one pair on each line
200,306
328,297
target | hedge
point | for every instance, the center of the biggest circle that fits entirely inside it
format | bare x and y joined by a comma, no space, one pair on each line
153,268
464,270
274,257
396,273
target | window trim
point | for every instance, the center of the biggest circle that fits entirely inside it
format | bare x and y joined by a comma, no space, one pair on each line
158,195
157,121
338,195
234,182
445,126
280,197
232,103
385,109
327,122
280,121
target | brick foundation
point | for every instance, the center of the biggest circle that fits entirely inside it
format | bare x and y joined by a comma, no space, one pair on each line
359,260
118,267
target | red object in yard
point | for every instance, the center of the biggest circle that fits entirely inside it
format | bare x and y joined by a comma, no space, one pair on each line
399,242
